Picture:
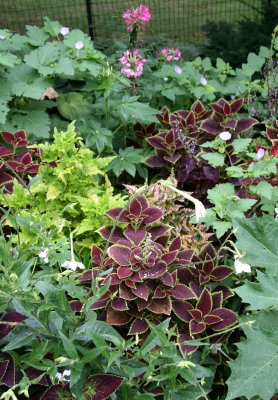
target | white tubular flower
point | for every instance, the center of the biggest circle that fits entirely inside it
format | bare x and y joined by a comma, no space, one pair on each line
43,254
64,377
225,135
72,264
200,211
240,266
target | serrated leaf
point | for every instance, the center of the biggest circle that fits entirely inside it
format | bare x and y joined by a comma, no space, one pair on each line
220,192
36,36
214,159
42,57
254,372
241,145
33,121
4,109
262,294
133,111
52,27
257,239
8,59
221,227
263,189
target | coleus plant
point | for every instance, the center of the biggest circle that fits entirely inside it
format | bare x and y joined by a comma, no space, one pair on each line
16,162
187,135
152,276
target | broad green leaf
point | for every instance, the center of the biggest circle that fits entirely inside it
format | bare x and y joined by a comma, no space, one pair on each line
263,189
33,90
36,36
241,145
133,111
64,67
8,59
52,27
4,109
257,239
220,192
254,371
34,122
262,294
72,105
44,58
214,159
221,227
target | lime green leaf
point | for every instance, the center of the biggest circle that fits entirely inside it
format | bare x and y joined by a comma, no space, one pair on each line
260,295
214,159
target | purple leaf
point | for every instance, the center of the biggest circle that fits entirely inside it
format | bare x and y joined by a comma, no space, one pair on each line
172,159
5,152
156,141
112,237
167,279
76,305
152,214
228,317
236,105
13,317
161,306
196,315
181,309
221,272
136,237
159,231
244,124
120,254
119,304
196,328
176,244
126,293
212,319
159,294
182,292
118,318
138,326
205,302
142,291
170,257
142,304
104,386
159,269
156,162
210,126
55,392
118,214
185,348
124,272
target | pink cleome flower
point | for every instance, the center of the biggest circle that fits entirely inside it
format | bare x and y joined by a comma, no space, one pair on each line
170,54
133,64
139,16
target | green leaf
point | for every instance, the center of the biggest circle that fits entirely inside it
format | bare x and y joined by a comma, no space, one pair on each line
36,36
52,27
263,189
257,239
221,227
214,159
220,192
130,110
260,295
69,346
43,58
64,67
254,372
72,105
241,145
34,122
126,161
4,109
8,59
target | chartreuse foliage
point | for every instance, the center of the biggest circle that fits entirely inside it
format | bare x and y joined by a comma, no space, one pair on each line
71,191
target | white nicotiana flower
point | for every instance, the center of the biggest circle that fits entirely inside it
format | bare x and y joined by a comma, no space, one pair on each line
72,264
43,254
200,211
79,45
178,70
203,80
225,135
165,79
260,154
240,266
65,376
2,37
64,31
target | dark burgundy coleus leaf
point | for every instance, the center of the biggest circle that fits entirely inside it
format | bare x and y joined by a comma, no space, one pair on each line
138,327
9,374
101,386
229,318
18,138
161,306
4,151
120,254
115,317
12,319
57,392
184,347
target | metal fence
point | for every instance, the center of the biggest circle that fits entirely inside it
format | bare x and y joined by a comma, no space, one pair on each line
180,20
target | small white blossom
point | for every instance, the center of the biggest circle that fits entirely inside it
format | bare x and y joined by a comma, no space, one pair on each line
165,79
64,31
79,45
43,254
203,81
73,265
65,376
260,154
2,37
178,70
240,266
225,135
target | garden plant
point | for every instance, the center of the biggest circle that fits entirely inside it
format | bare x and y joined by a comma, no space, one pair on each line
139,219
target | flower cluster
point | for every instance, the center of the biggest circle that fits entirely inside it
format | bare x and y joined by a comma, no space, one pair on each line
170,54
133,64
138,17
